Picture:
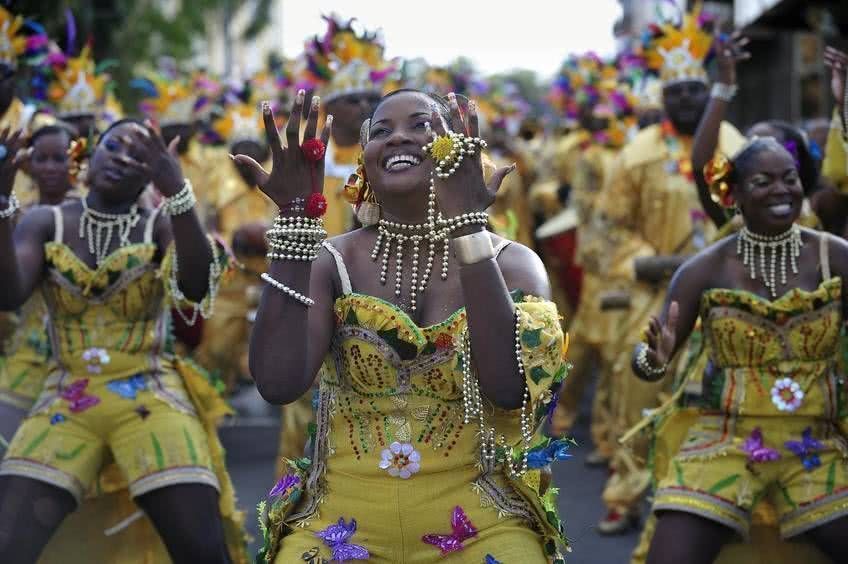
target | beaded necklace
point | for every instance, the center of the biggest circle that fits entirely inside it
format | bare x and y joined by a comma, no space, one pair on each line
788,244
98,227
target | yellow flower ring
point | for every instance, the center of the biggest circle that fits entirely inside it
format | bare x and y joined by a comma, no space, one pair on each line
441,148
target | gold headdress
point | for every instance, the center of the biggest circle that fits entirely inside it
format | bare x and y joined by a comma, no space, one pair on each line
677,50
78,88
345,61
169,100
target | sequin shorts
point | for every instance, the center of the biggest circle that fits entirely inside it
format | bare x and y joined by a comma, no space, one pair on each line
726,465
145,423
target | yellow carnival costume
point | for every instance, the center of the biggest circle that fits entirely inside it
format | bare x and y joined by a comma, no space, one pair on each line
115,390
651,208
758,436
392,454
594,329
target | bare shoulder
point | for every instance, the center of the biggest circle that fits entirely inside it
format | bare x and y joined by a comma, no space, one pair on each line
700,269
522,268
37,221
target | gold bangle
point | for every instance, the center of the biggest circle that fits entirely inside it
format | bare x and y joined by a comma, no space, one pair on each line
473,248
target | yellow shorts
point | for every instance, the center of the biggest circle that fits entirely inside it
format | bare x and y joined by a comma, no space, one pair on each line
145,422
727,464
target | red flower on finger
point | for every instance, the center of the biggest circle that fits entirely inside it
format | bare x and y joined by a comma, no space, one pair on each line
313,149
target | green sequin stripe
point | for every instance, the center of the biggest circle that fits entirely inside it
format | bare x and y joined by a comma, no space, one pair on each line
18,380
157,449
33,444
63,455
192,452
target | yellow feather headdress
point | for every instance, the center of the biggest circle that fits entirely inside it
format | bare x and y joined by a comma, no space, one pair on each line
77,88
677,50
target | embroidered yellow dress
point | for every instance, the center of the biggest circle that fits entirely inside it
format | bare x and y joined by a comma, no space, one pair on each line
114,390
770,413
391,450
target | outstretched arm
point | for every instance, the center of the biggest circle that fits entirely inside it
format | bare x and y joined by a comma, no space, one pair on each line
667,333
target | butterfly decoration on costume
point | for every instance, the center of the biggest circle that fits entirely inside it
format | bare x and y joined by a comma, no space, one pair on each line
491,560
128,387
756,449
78,400
806,449
462,528
336,537
543,455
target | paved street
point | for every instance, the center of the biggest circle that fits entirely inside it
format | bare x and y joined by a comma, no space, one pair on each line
251,447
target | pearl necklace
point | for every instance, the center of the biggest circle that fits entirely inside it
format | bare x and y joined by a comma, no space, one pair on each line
787,243
97,227
432,231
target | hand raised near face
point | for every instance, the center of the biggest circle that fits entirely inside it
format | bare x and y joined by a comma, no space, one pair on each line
153,159
465,190
297,169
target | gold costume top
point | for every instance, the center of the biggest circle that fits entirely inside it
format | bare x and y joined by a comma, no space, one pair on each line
339,164
391,449
651,203
835,165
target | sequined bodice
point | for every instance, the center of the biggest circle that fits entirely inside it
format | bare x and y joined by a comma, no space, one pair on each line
103,319
769,357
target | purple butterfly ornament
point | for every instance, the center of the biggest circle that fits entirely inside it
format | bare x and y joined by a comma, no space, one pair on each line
336,537
462,528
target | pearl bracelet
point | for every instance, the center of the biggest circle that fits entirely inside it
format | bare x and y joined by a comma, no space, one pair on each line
182,201
13,206
644,365
288,291
472,218
473,248
724,92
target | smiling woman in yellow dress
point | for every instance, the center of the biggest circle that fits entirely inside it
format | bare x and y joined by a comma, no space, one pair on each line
438,349
109,272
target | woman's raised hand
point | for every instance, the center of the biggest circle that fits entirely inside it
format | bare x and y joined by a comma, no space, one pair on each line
297,169
465,190
730,50
662,336
151,157
838,63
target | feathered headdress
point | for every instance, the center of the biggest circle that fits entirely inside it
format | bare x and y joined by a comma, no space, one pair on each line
344,61
78,86
578,83
678,46
168,100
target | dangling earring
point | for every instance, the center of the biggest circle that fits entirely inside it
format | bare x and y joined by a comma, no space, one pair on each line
358,193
